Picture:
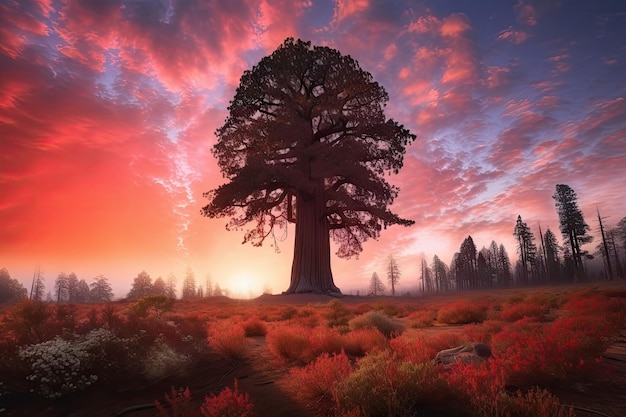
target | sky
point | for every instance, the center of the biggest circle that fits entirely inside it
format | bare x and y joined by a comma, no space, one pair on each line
108,110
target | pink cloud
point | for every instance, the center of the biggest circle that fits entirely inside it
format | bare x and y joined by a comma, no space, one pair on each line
420,91
463,64
517,107
559,63
550,103
516,140
347,8
514,36
89,31
18,21
279,20
497,76
455,26
183,46
526,13
546,86
425,24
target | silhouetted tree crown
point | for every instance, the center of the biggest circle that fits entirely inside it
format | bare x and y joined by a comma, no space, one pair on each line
572,224
10,289
306,141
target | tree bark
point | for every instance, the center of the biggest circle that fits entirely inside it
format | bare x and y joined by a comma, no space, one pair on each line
310,270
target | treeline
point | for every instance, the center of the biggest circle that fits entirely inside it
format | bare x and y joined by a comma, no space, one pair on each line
143,285
541,260
67,288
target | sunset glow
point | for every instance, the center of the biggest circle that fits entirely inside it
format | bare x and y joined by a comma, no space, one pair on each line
108,111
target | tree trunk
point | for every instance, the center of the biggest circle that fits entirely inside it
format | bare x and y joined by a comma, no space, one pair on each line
310,271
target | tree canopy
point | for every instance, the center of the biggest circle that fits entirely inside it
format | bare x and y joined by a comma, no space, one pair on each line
572,224
306,140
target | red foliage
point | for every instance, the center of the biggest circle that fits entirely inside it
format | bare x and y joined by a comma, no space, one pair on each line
422,318
543,354
289,344
518,311
228,403
424,349
229,339
254,326
315,383
362,341
462,312
300,345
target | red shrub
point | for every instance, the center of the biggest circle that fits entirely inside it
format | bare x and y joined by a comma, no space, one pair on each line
361,342
229,339
462,313
29,322
289,344
481,388
300,345
412,350
538,354
518,311
315,383
478,382
254,326
422,318
612,310
423,349
324,340
228,403
484,331
445,340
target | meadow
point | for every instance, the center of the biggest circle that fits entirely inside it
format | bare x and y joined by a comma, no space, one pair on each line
557,351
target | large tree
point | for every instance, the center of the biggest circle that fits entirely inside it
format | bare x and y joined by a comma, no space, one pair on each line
100,290
466,265
553,263
306,141
10,288
189,285
393,273
527,250
441,274
376,285
572,225
142,286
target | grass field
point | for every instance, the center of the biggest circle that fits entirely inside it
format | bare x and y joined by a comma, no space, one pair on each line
557,351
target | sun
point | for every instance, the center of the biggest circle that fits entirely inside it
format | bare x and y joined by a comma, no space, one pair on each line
243,286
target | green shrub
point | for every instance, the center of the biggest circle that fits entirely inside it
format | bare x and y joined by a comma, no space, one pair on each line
390,309
376,320
536,402
384,385
337,314
152,305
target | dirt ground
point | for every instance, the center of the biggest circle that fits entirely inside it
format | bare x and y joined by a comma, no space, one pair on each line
603,393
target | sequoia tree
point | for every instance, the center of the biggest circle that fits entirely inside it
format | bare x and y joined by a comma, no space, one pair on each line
306,141
572,225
